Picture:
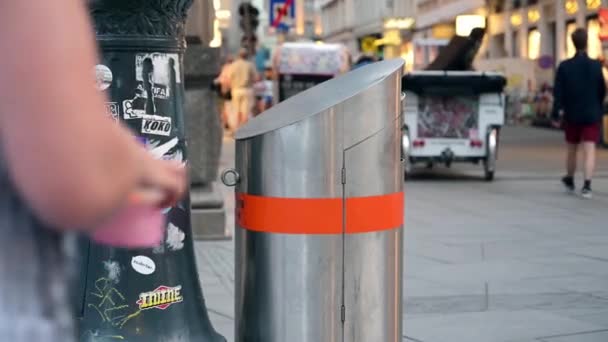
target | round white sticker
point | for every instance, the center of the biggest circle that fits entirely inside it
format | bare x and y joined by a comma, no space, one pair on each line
142,264
103,76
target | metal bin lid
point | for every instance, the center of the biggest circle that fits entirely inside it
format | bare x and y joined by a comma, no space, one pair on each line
319,99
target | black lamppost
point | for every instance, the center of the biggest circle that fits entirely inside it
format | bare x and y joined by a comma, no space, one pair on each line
151,294
249,23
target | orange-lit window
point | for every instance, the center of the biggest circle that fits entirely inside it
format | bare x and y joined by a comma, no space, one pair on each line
594,46
570,50
533,44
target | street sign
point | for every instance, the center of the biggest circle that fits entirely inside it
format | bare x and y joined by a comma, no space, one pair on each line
546,62
282,14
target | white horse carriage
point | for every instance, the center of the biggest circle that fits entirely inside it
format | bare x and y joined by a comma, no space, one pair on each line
452,113
453,116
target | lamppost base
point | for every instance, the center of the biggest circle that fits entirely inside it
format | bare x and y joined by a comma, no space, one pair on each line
208,214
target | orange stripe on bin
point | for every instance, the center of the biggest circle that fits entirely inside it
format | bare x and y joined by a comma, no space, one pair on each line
374,213
319,215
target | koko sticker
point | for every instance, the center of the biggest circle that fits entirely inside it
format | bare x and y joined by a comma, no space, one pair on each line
103,77
156,125
143,265
161,298
112,110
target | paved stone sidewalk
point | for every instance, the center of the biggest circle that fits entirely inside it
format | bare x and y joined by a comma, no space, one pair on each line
516,260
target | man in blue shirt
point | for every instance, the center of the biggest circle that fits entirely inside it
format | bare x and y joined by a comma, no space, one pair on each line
579,95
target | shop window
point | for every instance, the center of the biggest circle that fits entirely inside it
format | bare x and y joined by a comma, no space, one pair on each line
570,50
594,46
533,44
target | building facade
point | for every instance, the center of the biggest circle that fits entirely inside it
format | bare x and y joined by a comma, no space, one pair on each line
524,29
436,24
526,39
304,25
538,28
368,27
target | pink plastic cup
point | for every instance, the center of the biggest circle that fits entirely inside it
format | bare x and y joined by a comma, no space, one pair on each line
135,226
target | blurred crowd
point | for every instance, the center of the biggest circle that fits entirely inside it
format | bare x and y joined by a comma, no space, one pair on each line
530,108
244,90
245,85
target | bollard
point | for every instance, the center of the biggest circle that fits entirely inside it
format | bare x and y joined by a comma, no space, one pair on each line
144,295
319,217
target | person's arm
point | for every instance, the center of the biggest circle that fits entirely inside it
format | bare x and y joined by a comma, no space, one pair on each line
557,94
226,78
254,73
71,164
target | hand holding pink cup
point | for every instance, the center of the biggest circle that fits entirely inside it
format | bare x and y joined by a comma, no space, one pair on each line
135,226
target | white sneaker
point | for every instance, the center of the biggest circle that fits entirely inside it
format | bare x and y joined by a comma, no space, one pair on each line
586,193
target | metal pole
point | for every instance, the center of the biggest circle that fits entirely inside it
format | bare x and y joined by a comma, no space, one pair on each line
154,294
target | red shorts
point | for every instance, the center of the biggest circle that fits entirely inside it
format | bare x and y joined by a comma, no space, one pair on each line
575,134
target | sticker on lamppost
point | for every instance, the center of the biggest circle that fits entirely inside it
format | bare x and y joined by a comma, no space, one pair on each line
143,265
161,298
103,76
156,125
112,110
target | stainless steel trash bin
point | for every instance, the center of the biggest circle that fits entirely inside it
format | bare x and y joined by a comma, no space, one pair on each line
320,214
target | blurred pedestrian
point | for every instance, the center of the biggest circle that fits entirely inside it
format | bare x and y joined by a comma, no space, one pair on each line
262,55
543,102
222,84
242,77
64,165
264,91
364,59
578,99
